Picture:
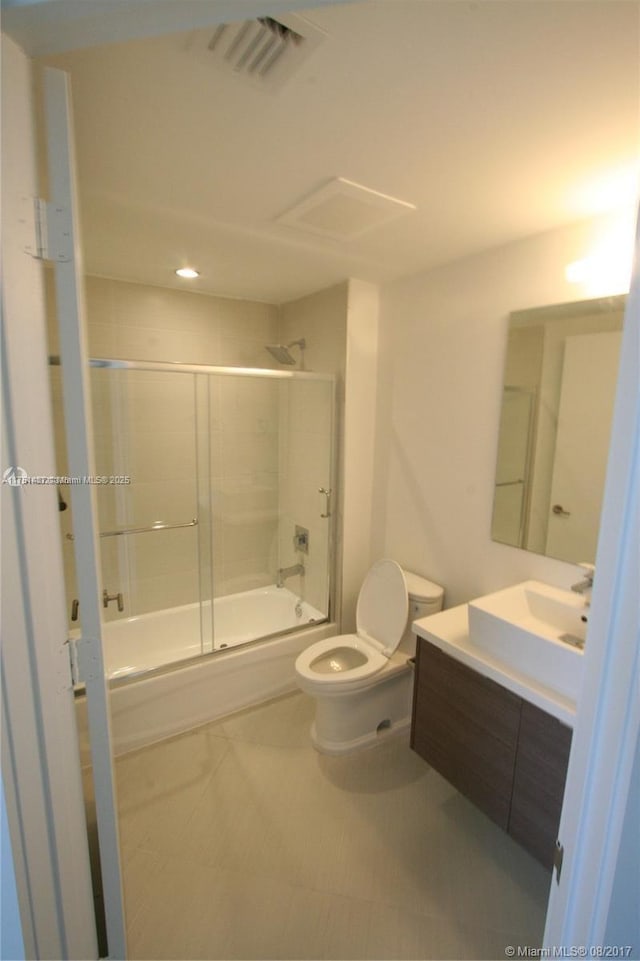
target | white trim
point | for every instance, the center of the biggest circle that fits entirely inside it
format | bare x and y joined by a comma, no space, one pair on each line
608,718
40,762
78,428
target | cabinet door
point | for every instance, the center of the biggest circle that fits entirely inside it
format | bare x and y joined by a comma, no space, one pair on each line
541,769
466,727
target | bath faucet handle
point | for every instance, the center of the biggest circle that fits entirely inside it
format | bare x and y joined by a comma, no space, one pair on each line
107,598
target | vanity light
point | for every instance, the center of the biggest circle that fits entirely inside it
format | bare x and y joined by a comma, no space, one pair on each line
606,270
577,272
610,191
188,272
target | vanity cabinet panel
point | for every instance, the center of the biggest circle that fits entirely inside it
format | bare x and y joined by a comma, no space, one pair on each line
507,756
466,727
538,789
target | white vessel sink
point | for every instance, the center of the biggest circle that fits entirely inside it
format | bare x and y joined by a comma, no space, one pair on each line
536,629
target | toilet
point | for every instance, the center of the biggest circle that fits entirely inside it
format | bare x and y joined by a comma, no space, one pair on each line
363,682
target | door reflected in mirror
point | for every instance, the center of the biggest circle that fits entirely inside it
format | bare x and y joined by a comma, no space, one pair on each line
560,376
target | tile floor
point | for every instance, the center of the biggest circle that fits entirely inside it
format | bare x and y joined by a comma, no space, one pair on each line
239,841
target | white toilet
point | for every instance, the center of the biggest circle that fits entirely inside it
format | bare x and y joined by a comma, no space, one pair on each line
363,682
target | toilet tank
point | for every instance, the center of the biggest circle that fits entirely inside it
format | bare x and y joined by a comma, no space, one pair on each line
425,598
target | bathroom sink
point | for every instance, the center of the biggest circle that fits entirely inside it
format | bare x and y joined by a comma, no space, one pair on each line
536,629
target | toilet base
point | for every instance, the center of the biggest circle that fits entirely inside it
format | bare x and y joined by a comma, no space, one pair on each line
336,748
352,722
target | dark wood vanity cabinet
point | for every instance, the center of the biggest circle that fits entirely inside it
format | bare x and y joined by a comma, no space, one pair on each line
538,785
466,727
507,756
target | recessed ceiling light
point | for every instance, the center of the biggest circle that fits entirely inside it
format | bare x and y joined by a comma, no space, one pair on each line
187,272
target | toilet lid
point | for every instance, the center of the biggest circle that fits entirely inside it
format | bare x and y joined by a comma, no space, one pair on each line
383,606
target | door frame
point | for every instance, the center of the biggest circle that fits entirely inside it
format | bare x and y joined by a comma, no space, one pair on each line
40,759
605,737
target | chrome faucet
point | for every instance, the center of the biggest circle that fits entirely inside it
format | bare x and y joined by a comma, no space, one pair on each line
284,572
585,585
107,598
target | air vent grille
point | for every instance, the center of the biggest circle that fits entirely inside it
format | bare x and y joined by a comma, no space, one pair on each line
265,51
258,45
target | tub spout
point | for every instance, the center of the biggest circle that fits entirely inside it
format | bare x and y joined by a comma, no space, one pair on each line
285,572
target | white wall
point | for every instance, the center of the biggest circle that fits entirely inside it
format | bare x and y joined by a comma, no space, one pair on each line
442,345
359,518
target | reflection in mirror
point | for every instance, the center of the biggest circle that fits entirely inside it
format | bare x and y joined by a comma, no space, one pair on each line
559,385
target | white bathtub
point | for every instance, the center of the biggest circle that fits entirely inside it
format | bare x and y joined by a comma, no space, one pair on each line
148,707
135,645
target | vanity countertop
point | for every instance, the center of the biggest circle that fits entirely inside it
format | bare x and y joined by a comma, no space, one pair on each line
449,631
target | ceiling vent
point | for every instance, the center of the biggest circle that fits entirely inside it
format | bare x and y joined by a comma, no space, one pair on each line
343,210
266,51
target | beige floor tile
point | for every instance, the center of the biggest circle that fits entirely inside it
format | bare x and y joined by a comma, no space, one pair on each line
137,869
253,845
159,787
282,722
196,911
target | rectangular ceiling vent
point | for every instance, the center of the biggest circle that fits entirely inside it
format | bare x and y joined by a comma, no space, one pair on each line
344,210
266,51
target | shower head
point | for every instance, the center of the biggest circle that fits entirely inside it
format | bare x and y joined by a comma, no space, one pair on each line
282,353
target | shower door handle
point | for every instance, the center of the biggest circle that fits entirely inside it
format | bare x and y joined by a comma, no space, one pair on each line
327,493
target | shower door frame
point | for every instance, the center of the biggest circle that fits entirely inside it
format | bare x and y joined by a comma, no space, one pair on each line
265,373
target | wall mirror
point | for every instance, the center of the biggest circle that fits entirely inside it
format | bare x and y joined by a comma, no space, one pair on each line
560,376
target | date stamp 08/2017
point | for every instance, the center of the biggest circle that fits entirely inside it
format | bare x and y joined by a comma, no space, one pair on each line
570,951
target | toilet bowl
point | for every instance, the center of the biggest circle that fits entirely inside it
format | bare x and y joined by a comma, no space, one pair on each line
362,683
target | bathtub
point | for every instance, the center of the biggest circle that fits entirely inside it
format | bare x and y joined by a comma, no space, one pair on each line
135,645
179,693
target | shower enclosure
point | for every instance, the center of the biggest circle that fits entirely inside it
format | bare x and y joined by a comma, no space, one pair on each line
214,506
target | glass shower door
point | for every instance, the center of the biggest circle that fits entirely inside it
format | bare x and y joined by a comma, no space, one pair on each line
146,451
306,491
145,434
271,455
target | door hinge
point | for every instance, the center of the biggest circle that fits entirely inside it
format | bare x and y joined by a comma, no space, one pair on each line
48,227
558,856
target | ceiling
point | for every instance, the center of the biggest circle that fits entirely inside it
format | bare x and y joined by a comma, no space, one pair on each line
495,119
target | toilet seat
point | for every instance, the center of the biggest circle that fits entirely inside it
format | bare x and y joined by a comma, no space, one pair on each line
381,618
312,678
